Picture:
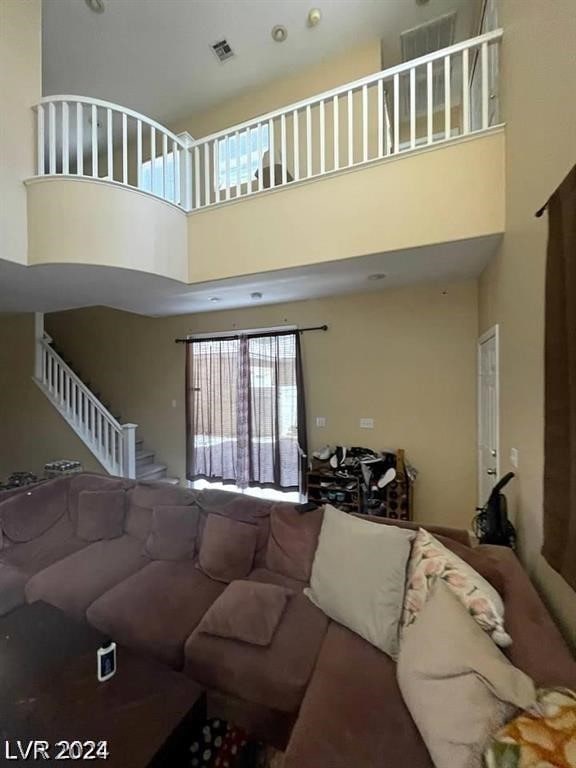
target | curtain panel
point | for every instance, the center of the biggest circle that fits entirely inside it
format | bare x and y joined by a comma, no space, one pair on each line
246,418
559,546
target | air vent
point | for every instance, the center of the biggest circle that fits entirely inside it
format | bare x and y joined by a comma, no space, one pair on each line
223,50
435,34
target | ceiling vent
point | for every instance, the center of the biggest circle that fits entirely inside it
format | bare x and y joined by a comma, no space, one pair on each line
222,50
435,34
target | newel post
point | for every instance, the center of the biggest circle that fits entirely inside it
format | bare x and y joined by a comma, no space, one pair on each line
129,450
186,170
38,338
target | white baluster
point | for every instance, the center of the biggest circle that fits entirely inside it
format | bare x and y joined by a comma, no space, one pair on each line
238,158
249,135
412,108
350,128
322,123
308,141
465,93
365,123
124,148
152,157
429,103
207,174
447,99
380,118
139,154
283,149
176,164
52,137
260,158
227,150
79,139
109,145
40,161
396,113
296,132
197,201
336,120
484,57
65,139
94,141
271,154
164,166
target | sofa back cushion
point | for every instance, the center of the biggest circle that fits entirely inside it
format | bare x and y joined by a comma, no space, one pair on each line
174,533
29,514
87,481
142,499
101,514
227,548
292,541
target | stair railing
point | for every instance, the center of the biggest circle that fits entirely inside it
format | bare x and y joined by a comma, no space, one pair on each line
112,443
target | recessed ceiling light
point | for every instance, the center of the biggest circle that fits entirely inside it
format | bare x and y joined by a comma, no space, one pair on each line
95,5
314,16
214,299
279,33
256,296
376,276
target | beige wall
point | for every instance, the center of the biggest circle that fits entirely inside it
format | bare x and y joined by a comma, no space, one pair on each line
20,89
32,432
405,357
388,206
538,86
74,221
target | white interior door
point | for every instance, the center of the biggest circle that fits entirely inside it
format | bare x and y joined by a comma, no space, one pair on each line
488,413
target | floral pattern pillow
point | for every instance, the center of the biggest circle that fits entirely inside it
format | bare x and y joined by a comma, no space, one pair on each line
431,560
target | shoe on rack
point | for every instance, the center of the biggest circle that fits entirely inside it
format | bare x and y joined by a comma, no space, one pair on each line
338,457
324,453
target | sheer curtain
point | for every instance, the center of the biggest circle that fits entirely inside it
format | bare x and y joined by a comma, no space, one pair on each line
246,419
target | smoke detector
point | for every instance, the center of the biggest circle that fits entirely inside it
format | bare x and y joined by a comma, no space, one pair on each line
222,50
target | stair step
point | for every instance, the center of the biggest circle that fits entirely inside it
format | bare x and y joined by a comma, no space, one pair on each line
170,480
139,444
143,458
151,472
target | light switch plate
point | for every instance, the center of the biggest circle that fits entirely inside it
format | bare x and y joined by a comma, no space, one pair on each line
366,423
320,421
514,457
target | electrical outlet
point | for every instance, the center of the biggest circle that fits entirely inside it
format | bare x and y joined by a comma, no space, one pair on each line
514,457
366,423
173,403
320,421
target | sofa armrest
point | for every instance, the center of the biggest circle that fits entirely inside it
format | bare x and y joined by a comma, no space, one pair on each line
353,713
30,511
538,647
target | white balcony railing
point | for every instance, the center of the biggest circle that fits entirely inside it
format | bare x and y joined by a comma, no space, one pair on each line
444,95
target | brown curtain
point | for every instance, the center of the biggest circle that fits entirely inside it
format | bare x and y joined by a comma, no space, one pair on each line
559,547
246,419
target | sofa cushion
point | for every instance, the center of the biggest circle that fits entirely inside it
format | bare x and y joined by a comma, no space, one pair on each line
57,542
246,611
89,481
12,583
74,583
275,675
353,714
28,515
447,658
156,609
431,561
242,507
227,548
358,576
264,576
174,533
101,514
142,499
293,540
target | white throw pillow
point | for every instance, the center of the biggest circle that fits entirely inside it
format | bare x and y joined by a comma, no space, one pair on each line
458,686
358,576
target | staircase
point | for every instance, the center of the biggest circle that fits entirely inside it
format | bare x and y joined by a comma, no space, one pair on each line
116,446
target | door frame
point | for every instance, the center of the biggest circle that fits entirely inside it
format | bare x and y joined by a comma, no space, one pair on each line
493,332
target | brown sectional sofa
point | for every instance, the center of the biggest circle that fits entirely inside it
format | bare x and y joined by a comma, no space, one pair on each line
318,690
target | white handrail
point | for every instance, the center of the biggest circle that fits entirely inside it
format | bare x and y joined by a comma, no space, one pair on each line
474,42
113,444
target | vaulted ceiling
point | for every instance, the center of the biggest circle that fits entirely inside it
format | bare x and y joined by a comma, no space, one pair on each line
154,55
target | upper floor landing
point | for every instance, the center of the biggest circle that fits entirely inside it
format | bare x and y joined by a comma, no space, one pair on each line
406,157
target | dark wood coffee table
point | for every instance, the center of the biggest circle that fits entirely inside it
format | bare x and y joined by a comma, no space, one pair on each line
49,691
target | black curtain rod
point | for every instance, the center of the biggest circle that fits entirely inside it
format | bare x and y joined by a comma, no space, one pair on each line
254,334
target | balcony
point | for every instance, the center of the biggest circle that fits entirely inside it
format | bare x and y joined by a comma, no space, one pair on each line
246,199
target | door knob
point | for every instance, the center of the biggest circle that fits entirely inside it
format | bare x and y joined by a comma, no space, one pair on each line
493,452
490,471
